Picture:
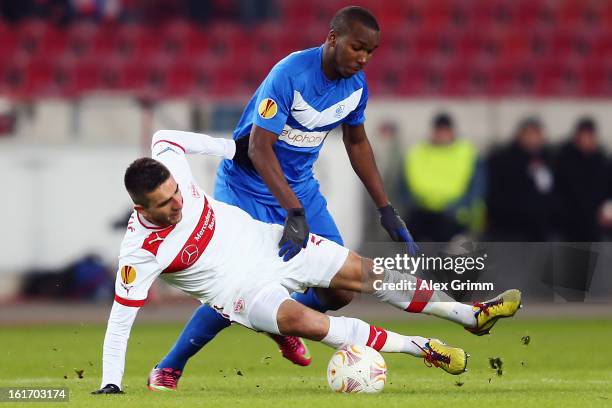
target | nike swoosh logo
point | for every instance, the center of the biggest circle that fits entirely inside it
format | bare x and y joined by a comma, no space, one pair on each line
298,110
195,343
293,229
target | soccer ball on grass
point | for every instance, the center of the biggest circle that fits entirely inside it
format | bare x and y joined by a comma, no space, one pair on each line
355,369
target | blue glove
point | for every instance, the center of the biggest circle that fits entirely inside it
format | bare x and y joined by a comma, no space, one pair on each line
391,221
295,234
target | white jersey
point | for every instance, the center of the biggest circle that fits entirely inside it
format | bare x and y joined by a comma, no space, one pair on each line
216,253
197,254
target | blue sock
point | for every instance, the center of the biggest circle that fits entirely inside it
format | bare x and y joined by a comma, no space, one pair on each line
310,299
201,328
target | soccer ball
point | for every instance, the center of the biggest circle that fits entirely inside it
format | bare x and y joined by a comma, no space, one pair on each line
354,369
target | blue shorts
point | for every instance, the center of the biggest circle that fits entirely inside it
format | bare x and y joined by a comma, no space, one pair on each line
319,219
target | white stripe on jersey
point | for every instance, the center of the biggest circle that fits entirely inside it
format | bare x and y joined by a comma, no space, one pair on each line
311,118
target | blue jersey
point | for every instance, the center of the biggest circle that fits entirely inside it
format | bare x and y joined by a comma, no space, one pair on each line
297,102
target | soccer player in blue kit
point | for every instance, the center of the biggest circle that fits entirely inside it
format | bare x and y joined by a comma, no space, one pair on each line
278,138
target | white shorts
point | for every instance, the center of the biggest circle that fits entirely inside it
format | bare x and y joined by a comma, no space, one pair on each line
254,296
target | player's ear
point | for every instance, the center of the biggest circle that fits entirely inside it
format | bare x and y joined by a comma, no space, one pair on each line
140,209
331,38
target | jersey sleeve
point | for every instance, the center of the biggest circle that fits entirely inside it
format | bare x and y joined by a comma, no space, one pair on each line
195,143
274,101
170,146
116,338
134,279
357,117
172,155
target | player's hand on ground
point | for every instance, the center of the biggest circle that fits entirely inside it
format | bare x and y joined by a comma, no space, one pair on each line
395,226
108,389
295,234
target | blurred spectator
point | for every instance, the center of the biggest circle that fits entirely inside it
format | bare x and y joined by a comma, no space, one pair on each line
445,185
56,11
98,10
582,185
389,157
199,11
86,279
520,187
256,11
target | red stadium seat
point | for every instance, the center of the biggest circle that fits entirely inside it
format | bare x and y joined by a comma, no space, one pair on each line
86,76
401,43
12,77
80,37
465,78
105,41
137,41
603,45
397,80
581,13
428,47
180,79
518,77
268,40
226,38
297,12
197,44
91,74
30,34
559,78
8,41
390,14
176,35
44,77
596,77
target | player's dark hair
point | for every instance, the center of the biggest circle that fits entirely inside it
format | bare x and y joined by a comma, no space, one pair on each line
347,16
143,176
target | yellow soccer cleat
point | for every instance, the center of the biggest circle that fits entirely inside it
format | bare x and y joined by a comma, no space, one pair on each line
487,313
453,360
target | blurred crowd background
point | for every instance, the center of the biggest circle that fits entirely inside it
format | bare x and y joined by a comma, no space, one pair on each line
490,119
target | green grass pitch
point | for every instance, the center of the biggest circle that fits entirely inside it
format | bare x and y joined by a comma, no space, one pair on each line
567,363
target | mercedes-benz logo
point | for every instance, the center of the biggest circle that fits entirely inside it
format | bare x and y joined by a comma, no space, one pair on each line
189,254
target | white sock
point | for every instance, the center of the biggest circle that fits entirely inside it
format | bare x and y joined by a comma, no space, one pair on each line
344,331
432,302
396,343
453,311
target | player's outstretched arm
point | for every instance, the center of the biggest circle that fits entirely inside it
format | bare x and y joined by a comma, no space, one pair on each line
196,143
261,153
115,347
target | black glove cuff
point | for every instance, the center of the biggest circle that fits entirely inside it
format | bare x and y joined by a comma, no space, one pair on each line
386,210
296,212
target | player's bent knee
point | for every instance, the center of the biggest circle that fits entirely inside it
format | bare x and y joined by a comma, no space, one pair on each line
294,319
369,275
265,309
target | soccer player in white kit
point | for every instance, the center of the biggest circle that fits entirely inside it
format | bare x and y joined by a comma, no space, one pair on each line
220,255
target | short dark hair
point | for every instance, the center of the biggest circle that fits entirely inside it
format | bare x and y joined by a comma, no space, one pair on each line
586,124
442,120
143,176
529,122
345,17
